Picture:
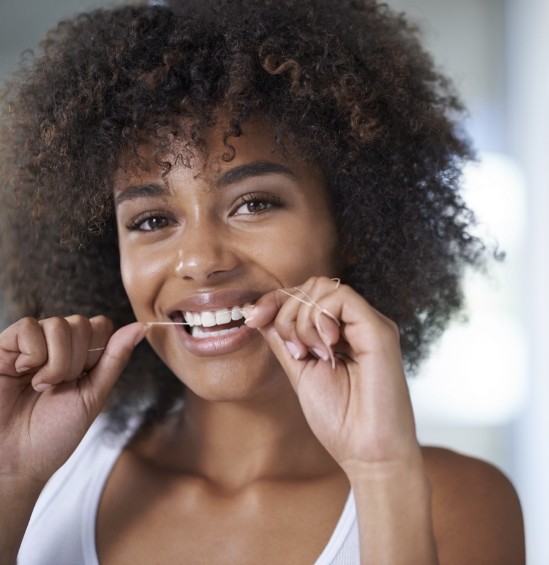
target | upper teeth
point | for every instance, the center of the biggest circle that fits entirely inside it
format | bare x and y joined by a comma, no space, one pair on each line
217,318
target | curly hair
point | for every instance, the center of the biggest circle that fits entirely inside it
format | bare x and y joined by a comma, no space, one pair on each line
345,82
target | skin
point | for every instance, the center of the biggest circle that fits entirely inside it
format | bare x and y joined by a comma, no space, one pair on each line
279,422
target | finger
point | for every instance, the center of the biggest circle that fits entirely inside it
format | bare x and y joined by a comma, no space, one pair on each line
80,334
293,311
292,367
100,380
308,326
23,347
264,311
287,324
101,330
57,333
88,340
362,326
271,306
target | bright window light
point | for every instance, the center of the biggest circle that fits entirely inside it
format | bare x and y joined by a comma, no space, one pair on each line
477,374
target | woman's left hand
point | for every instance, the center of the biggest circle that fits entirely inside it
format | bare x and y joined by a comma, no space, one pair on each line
348,375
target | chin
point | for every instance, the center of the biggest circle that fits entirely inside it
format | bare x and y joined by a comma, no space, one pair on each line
233,380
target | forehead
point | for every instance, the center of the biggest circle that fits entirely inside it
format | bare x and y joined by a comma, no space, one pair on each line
216,158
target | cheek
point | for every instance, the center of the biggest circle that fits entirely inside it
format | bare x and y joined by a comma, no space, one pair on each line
301,250
141,275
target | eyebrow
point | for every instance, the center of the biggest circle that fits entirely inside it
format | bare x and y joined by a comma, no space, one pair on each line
237,174
254,169
140,191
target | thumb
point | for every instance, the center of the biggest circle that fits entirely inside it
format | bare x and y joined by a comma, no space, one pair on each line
102,377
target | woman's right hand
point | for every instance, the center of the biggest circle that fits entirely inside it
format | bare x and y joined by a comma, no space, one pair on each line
55,375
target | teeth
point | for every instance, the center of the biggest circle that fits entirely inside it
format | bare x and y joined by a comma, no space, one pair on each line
236,313
216,318
198,333
208,319
223,316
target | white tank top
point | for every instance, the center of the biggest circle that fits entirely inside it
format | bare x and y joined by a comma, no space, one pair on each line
61,530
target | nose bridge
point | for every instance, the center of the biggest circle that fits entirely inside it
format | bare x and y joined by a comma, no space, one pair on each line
204,248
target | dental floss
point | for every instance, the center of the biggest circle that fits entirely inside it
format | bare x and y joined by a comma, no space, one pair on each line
320,310
241,310
167,324
96,349
309,303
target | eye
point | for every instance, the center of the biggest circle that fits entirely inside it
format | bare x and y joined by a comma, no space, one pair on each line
252,204
152,221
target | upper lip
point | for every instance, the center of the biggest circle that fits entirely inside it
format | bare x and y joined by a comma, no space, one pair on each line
215,300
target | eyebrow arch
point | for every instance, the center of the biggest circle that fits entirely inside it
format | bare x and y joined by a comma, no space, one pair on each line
237,174
254,169
140,191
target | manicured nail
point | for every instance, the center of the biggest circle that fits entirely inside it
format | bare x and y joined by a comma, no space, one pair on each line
41,387
320,353
248,313
293,349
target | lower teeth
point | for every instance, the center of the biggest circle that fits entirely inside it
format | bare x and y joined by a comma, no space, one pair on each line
198,333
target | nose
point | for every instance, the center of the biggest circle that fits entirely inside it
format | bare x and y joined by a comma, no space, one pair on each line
204,253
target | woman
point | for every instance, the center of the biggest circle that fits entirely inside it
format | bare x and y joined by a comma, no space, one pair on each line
270,190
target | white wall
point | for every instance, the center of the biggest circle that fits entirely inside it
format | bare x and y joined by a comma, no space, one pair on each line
528,86
496,52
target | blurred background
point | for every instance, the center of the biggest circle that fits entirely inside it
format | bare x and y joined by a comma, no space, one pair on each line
485,390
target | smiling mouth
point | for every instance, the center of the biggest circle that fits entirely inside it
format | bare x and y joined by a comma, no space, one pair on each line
213,323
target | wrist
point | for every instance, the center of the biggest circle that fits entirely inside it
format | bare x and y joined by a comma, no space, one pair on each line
405,465
394,511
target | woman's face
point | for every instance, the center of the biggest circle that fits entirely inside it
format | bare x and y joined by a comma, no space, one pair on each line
216,236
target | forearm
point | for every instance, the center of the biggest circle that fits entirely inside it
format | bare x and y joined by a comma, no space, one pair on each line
17,500
394,515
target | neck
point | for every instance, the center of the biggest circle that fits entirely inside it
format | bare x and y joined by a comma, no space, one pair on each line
234,444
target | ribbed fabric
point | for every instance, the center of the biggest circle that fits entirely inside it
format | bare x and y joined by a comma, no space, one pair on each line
343,547
61,530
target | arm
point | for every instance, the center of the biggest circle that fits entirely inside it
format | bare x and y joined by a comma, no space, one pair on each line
354,395
54,378
394,515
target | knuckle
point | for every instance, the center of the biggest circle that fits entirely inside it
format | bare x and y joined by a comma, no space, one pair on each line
28,323
57,324
284,326
78,320
102,323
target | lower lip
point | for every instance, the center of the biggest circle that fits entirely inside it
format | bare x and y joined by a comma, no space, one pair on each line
217,345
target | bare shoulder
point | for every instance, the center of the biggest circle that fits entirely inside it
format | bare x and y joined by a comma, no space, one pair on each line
476,511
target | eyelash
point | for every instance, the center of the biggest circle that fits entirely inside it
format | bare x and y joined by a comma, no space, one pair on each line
267,200
137,223
270,200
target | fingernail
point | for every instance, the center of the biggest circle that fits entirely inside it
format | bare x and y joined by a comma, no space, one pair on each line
248,313
293,349
320,353
41,387
22,369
